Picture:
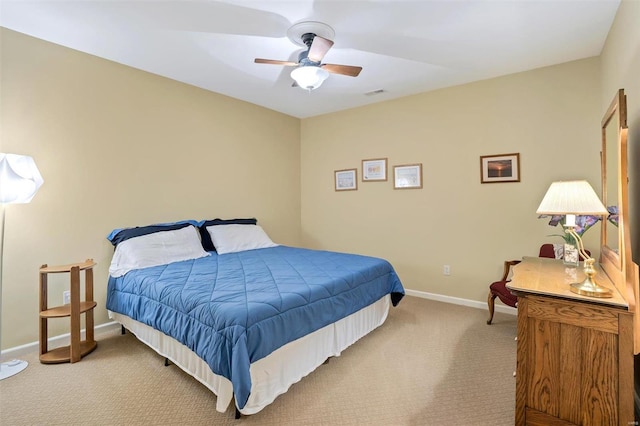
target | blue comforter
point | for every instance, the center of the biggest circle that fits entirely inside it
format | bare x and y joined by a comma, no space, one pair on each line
234,309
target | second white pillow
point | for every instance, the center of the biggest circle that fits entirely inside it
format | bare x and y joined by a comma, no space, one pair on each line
235,238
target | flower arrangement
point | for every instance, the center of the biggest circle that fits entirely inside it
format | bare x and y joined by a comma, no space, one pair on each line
583,223
613,215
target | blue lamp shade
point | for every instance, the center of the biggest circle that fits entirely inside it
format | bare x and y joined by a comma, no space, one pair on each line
20,179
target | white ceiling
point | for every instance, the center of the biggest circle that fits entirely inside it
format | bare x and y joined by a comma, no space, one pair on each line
404,47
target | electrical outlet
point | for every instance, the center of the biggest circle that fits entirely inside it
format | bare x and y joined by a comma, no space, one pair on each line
446,270
66,297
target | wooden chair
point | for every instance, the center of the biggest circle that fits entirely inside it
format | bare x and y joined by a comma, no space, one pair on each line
499,288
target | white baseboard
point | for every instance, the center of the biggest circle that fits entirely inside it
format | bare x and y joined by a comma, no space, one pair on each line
57,341
464,302
114,327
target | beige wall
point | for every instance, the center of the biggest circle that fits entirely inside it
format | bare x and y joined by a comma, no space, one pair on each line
550,116
620,62
120,147
621,70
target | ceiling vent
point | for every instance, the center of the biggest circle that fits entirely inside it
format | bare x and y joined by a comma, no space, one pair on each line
374,92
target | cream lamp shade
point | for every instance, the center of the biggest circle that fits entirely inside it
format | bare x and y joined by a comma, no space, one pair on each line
309,77
19,178
575,197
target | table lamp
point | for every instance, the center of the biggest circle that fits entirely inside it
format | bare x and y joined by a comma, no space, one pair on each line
573,198
19,182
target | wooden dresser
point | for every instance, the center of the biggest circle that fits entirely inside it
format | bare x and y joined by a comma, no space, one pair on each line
575,353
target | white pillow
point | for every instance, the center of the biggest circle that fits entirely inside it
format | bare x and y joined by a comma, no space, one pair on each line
234,238
155,249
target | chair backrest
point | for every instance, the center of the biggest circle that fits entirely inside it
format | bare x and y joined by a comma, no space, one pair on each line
546,250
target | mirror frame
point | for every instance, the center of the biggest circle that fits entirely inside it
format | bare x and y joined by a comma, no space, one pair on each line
617,261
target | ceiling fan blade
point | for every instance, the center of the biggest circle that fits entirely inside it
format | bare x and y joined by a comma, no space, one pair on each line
275,62
319,48
348,70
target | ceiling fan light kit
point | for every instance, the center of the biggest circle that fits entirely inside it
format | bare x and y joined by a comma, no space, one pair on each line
309,77
310,72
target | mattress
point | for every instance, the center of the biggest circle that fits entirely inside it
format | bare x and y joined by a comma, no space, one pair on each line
274,374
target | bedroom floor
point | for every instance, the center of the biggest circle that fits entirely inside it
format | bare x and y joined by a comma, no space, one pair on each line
431,363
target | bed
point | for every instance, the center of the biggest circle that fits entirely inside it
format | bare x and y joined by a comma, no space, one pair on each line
244,316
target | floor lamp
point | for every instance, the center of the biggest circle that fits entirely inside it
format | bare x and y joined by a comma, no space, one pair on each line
19,182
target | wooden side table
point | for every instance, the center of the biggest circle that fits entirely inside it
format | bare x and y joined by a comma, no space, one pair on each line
77,348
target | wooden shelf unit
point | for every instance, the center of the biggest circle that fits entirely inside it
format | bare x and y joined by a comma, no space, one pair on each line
77,348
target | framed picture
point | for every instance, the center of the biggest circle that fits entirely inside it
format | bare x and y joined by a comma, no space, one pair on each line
500,168
346,180
374,170
407,176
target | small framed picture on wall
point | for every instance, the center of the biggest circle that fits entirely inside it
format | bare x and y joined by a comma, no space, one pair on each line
500,168
374,170
346,180
407,176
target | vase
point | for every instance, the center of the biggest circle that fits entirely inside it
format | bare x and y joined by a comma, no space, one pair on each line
570,256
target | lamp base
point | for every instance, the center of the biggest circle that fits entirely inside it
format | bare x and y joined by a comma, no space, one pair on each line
588,287
11,368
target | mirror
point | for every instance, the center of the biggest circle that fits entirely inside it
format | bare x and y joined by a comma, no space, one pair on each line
615,250
615,253
611,151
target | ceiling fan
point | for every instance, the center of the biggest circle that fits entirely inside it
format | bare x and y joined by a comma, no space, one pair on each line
310,73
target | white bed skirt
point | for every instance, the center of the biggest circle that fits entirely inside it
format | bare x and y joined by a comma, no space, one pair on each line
273,375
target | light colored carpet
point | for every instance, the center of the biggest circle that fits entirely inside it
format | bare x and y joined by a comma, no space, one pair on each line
431,363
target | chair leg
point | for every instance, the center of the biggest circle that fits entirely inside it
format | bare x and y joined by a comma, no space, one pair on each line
491,301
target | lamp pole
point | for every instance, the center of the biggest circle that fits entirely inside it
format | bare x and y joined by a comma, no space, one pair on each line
19,182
